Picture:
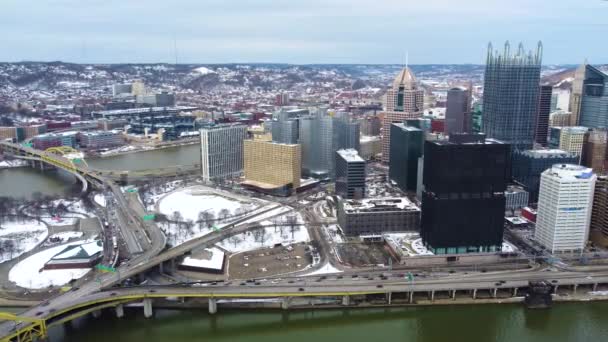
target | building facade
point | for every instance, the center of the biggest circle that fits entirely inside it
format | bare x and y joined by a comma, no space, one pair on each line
599,214
510,98
272,167
100,139
406,147
595,150
350,174
561,118
571,139
458,111
590,97
405,100
564,208
516,198
463,203
542,114
222,151
378,215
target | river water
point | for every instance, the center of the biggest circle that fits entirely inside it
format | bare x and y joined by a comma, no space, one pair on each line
576,322
22,182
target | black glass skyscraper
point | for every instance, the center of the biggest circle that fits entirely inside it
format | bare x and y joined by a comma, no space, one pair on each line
542,116
510,98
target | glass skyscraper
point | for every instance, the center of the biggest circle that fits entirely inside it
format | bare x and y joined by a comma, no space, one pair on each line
593,88
510,99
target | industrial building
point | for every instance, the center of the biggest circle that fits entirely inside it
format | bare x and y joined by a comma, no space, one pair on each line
406,147
405,100
272,167
527,167
222,151
564,208
377,215
463,202
350,174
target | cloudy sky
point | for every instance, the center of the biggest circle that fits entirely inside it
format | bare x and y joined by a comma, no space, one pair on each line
298,31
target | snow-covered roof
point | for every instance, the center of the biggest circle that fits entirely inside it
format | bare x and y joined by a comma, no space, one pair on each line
212,258
379,204
82,251
351,155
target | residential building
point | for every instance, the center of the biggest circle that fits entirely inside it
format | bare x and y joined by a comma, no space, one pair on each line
222,151
564,208
589,101
463,203
405,100
272,167
350,174
406,147
527,167
595,150
510,96
374,216
542,114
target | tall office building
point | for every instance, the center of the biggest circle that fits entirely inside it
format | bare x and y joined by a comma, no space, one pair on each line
589,99
222,151
595,150
599,214
564,208
463,204
458,111
476,118
348,131
527,167
284,126
571,139
406,147
370,125
542,115
350,174
272,167
405,100
510,96
561,118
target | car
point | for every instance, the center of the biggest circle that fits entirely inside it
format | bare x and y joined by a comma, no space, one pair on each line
152,291
554,281
355,276
45,303
39,313
291,282
498,284
257,283
379,286
243,284
301,289
113,294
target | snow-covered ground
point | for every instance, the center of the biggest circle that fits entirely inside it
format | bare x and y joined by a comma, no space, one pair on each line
65,236
411,244
327,268
266,237
29,274
189,202
75,209
100,199
23,236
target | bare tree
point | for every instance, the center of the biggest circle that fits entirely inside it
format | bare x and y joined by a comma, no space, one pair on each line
224,214
259,235
189,224
201,219
234,239
292,223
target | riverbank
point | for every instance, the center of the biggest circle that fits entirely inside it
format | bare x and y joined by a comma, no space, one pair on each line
129,149
11,164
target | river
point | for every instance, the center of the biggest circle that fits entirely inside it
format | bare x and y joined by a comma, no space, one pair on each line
576,322
22,182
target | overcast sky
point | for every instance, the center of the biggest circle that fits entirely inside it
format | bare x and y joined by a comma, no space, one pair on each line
298,31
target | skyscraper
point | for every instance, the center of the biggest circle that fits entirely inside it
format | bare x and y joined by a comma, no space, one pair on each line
458,111
350,174
589,99
222,150
272,167
406,147
463,203
542,115
599,215
510,98
595,150
572,139
564,208
348,131
405,100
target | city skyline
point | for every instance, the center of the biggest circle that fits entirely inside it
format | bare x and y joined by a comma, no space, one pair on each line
298,33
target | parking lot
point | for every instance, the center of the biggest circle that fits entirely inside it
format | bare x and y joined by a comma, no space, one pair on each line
269,261
364,254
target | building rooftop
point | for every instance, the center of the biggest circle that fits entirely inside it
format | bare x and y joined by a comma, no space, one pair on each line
141,110
83,251
405,127
547,153
379,204
351,155
405,78
570,171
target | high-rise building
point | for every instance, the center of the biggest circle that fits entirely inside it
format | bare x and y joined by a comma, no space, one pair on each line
347,131
542,115
510,96
589,99
463,203
476,118
560,118
564,208
595,150
527,167
138,88
369,147
375,216
405,100
406,147
599,214
516,198
458,111
370,125
571,139
350,174
272,167
222,150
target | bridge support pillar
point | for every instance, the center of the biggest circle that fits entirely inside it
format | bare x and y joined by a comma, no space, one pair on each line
453,294
555,289
432,295
594,287
120,311
172,265
389,298
161,269
494,292
346,300
411,297
96,313
148,308
285,303
515,292
574,287
474,293
212,306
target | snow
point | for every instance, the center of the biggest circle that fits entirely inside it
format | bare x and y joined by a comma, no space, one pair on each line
92,248
334,233
25,236
100,199
67,254
327,268
598,293
64,236
272,236
204,71
12,163
190,201
215,262
29,274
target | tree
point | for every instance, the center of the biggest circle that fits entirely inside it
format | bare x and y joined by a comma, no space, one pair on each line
224,214
202,219
292,222
234,239
259,235
9,246
189,224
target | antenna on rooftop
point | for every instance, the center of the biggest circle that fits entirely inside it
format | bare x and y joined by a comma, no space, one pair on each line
175,48
407,56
